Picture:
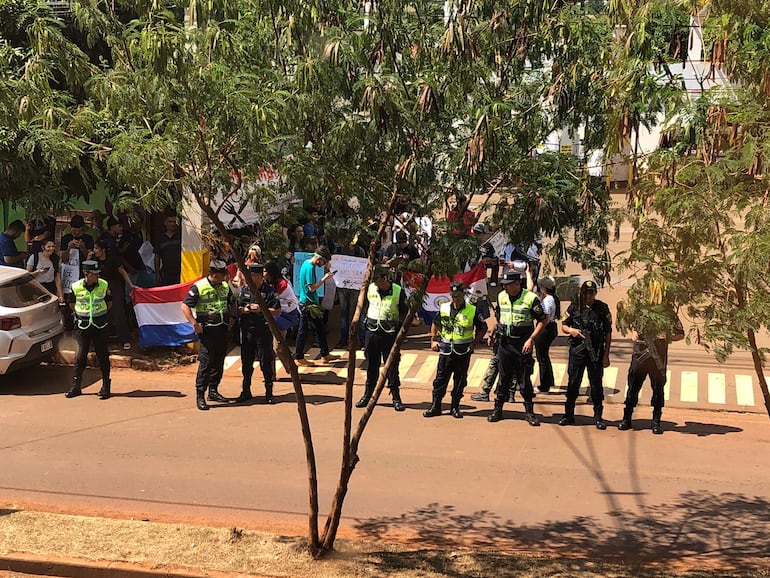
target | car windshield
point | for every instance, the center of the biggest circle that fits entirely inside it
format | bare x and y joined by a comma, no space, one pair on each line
22,292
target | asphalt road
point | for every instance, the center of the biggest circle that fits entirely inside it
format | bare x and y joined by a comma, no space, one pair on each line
697,493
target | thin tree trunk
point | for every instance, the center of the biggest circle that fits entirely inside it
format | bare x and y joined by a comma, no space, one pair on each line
759,369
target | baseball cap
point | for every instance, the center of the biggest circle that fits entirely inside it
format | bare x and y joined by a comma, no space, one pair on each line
588,286
91,267
510,277
479,228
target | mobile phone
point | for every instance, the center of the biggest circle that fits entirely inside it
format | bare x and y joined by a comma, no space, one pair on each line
334,272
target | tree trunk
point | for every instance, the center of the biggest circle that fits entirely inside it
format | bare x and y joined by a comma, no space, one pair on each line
759,369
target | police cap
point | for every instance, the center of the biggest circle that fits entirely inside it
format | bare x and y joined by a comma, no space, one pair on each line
510,277
256,268
91,267
218,266
588,286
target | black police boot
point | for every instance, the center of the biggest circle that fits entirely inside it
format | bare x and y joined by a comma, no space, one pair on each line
364,401
397,403
598,421
497,413
214,395
201,401
245,394
434,409
625,423
104,392
657,429
529,414
269,399
483,394
569,414
74,390
455,409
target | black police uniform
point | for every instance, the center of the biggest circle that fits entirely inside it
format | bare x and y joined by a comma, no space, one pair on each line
649,358
454,358
213,346
513,364
257,341
378,342
586,354
91,327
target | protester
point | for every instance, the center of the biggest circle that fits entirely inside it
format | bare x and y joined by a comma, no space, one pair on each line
9,253
76,240
168,253
44,265
552,310
311,313
113,271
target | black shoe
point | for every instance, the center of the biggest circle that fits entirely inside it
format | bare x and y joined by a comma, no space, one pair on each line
432,411
600,425
269,400
244,397
214,395
201,404
496,415
566,420
398,405
104,393
656,427
74,392
532,419
624,425
456,413
364,401
480,396
542,389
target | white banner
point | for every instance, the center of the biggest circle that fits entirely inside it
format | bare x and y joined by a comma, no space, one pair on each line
349,271
498,240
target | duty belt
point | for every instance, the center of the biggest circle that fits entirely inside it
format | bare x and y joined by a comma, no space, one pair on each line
215,318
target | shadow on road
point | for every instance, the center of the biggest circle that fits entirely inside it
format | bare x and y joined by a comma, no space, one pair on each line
699,528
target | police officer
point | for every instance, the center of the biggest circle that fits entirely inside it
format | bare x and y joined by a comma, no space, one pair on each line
91,300
455,332
385,312
256,339
589,326
212,302
649,358
520,319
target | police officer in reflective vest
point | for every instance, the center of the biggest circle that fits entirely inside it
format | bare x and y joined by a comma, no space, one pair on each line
519,321
212,302
91,301
385,311
256,339
455,332
589,326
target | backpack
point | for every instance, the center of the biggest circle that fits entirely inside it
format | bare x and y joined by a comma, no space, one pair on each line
54,261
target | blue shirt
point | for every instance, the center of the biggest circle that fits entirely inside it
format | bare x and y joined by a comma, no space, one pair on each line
306,278
8,249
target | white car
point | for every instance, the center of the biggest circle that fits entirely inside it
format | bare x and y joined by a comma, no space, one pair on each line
30,322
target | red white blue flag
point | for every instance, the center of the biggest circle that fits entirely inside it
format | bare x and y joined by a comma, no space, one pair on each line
159,316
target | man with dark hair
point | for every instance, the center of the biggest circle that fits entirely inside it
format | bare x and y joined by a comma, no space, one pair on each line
37,232
9,253
311,313
385,311
589,326
212,302
168,253
256,339
400,250
520,318
455,332
77,238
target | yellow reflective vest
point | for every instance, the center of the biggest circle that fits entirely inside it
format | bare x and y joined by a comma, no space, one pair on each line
382,313
457,331
90,305
212,306
515,314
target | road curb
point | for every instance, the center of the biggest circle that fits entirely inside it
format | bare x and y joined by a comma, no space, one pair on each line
76,568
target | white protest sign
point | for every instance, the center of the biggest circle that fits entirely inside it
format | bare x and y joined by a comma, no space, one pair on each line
69,274
349,271
497,241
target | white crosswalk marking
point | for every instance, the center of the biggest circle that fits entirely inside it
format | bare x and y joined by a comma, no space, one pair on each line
407,361
744,390
476,373
689,386
717,391
610,379
667,387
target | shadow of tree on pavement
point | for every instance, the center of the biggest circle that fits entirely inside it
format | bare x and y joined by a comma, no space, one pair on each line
700,528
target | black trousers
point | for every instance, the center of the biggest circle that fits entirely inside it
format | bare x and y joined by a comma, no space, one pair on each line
448,365
257,343
377,348
513,364
577,365
637,373
211,357
542,351
99,338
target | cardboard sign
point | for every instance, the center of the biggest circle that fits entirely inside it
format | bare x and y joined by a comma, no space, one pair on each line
350,271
